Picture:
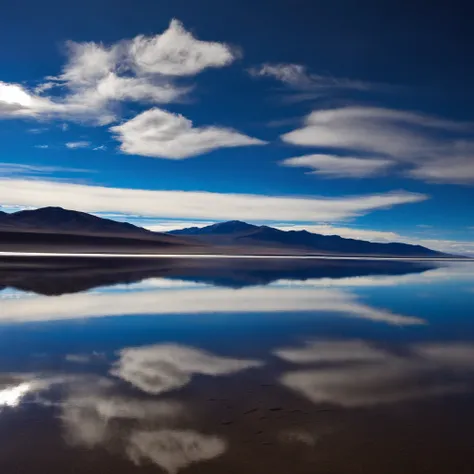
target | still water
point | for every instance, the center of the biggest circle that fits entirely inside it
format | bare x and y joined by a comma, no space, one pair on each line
236,366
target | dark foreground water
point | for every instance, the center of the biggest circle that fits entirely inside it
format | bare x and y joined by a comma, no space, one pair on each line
236,367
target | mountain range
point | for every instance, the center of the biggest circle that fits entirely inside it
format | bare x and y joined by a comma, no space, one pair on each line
38,230
237,233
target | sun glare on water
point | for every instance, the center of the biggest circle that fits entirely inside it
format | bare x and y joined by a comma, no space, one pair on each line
11,396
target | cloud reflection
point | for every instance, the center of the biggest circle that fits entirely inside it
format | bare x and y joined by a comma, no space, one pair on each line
164,367
144,429
11,396
356,374
174,449
88,418
17,387
197,301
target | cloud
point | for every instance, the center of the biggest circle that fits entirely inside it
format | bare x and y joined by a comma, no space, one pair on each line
42,147
369,376
331,166
428,147
75,145
161,134
161,368
17,169
177,53
203,300
195,205
97,77
297,76
173,450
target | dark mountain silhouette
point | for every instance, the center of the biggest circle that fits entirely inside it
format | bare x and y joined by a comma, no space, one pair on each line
222,228
66,230
73,230
57,219
236,233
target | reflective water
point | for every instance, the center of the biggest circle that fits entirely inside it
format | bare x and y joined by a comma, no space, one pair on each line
236,366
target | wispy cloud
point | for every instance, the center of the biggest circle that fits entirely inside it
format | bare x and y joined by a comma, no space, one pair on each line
298,77
97,76
331,166
427,147
75,145
16,170
196,205
100,148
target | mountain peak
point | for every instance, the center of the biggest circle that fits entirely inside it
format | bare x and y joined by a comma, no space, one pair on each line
233,226
221,228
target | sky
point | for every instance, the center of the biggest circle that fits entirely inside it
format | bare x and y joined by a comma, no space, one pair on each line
345,117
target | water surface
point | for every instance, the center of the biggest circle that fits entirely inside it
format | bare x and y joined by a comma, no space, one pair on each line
255,366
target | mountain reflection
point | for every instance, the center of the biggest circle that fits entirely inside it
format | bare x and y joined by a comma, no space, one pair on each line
61,276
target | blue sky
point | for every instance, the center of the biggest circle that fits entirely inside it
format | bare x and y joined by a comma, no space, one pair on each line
347,117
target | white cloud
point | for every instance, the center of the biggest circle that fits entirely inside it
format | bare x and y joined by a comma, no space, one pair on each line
332,166
42,147
75,145
96,76
165,367
177,53
430,148
173,450
161,134
195,205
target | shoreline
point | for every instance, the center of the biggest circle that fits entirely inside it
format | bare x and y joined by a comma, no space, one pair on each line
4,254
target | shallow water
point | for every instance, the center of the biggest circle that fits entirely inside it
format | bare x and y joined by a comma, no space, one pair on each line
243,366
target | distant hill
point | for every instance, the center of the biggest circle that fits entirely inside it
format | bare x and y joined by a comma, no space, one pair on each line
237,233
55,226
57,219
